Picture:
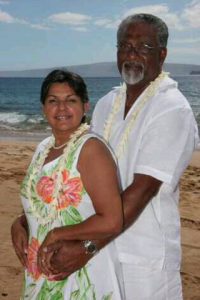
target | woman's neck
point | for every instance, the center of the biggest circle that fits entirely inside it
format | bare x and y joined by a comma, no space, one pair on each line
62,137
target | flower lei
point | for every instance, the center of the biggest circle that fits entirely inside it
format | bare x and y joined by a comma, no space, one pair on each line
149,92
36,167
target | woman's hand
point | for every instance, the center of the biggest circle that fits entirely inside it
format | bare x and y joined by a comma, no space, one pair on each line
19,236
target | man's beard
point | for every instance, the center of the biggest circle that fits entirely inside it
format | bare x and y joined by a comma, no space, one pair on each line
132,72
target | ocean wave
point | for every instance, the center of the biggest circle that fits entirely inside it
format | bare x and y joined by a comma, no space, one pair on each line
15,121
12,117
20,108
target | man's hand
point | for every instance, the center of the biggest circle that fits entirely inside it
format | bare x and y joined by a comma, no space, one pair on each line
20,239
61,259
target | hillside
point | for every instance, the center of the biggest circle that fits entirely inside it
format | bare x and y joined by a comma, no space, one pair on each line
104,69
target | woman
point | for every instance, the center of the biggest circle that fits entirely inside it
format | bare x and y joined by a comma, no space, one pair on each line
70,192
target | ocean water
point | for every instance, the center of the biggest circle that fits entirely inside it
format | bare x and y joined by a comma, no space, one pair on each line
20,108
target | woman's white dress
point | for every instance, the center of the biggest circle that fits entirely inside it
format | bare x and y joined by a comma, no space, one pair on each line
101,277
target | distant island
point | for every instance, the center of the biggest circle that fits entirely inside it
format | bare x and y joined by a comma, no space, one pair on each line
102,69
195,73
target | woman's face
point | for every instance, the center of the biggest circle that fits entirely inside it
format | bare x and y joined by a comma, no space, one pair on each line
63,108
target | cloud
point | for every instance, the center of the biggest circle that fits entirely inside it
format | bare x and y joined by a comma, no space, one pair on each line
188,41
191,14
39,26
149,9
6,18
162,11
69,18
107,23
102,22
186,19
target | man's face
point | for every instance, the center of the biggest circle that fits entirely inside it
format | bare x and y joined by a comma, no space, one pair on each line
139,56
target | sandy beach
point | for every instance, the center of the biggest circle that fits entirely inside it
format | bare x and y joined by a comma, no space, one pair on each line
14,159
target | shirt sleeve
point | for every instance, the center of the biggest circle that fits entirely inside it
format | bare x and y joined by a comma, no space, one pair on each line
167,145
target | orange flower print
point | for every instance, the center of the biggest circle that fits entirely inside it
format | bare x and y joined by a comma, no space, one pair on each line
71,191
32,258
45,188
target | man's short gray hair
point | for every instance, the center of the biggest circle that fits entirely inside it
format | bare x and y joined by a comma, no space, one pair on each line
157,23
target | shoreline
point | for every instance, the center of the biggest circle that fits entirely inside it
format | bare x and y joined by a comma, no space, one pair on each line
23,136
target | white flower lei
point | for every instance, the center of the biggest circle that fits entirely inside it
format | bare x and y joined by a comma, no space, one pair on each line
37,167
149,92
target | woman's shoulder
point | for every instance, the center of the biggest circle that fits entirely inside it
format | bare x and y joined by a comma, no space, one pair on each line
94,145
92,138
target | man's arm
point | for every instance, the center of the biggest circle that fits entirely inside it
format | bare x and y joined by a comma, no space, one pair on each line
135,198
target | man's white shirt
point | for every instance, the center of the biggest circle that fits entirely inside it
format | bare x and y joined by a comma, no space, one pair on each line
160,145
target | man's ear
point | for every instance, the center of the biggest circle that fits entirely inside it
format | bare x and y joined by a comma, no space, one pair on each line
163,54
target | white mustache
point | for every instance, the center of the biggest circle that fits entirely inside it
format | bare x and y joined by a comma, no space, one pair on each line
132,64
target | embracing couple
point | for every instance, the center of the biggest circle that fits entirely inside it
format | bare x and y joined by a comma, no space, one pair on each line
101,216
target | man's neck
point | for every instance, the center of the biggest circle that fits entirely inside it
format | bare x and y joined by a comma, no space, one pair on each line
132,93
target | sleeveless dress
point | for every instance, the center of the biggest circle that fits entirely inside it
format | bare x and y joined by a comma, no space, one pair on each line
100,279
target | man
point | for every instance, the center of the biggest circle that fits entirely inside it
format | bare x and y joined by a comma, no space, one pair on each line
150,126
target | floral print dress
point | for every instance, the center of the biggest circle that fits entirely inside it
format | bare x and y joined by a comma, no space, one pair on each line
99,279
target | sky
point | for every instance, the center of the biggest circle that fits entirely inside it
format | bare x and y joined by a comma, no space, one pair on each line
53,33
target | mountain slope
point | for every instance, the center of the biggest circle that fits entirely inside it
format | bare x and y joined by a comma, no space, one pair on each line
104,69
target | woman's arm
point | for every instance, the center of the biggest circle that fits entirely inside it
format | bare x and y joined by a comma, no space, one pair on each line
99,175
19,234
